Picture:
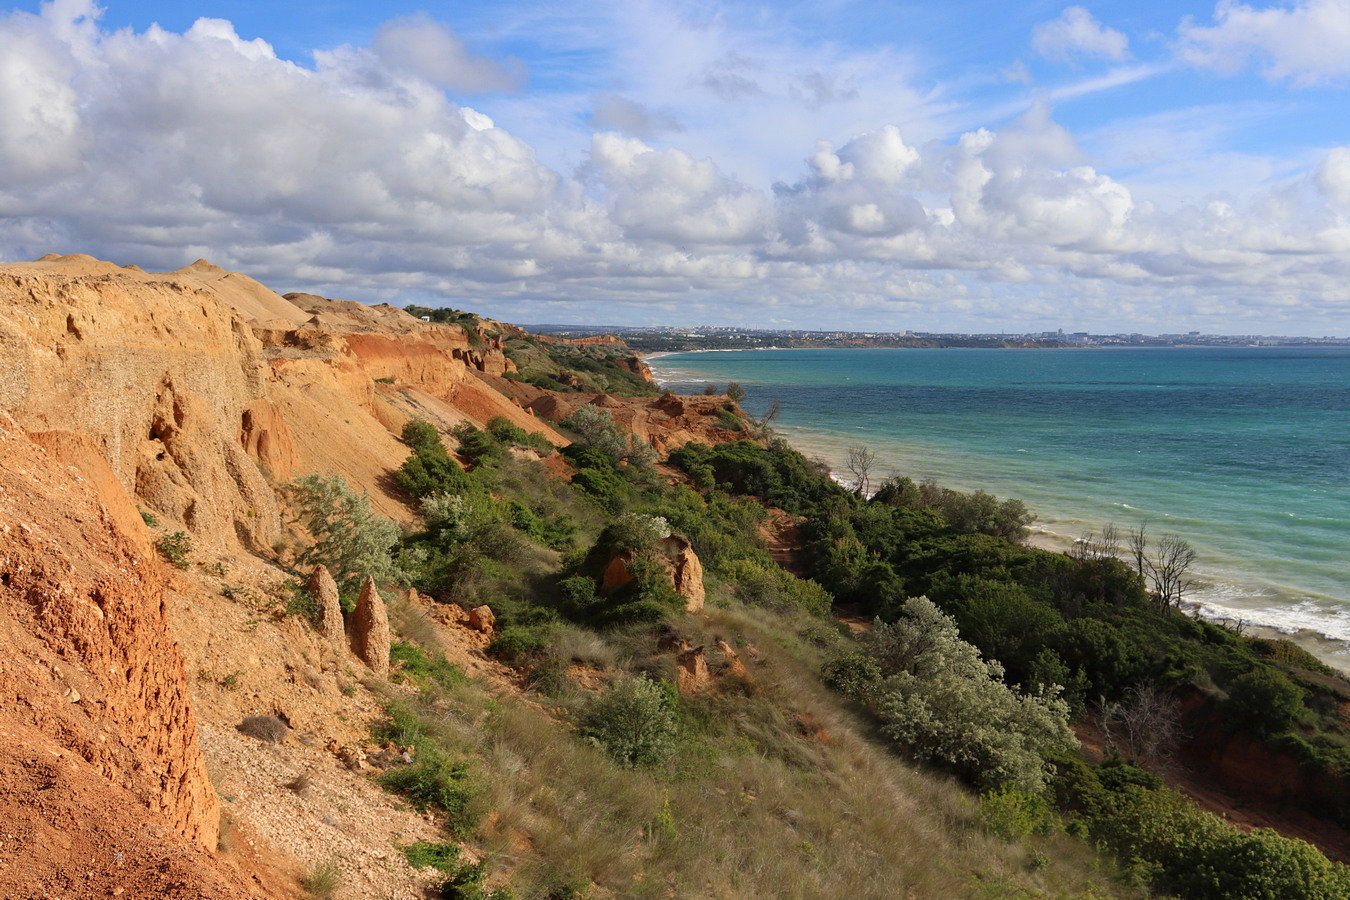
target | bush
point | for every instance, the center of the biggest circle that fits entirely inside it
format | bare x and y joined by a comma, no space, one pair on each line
1264,700
768,585
947,705
175,549
430,470
634,722
423,667
1012,814
349,539
432,780
321,880
264,728
461,880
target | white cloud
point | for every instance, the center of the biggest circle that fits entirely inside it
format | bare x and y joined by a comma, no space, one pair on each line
1077,34
421,46
668,195
1307,44
1333,176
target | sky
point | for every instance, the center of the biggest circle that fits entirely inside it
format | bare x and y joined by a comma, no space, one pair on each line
1153,167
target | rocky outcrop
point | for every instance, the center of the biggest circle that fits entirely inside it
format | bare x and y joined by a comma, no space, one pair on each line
684,570
324,590
93,683
639,368
691,673
370,629
265,436
678,561
481,619
157,370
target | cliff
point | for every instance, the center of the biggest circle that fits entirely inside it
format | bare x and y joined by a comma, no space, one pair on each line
189,396
101,759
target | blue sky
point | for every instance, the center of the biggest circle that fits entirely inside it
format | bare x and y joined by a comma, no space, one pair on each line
1109,166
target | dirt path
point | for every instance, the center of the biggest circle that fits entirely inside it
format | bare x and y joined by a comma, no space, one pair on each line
781,534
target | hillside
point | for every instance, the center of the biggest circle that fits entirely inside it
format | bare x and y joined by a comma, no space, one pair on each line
198,711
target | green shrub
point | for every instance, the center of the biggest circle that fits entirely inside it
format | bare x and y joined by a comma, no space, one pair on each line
150,519
175,549
460,880
300,602
517,644
1264,700
349,538
430,470
322,879
432,780
1012,814
634,722
854,675
946,704
423,667
766,584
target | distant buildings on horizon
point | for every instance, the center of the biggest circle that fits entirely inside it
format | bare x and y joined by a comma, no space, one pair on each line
768,337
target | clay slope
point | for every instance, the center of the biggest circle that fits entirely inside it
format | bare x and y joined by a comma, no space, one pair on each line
104,786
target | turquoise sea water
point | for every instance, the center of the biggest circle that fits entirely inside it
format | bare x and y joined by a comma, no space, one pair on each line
1244,452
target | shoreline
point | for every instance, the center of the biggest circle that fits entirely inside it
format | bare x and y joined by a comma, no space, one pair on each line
1332,650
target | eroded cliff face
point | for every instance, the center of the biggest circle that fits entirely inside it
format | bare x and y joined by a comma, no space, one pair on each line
157,370
94,690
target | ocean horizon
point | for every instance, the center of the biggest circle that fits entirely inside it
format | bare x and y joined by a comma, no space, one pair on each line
1244,452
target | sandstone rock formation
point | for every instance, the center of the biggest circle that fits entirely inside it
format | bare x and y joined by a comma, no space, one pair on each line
734,667
370,629
154,369
93,683
265,436
678,561
684,570
482,619
691,674
324,590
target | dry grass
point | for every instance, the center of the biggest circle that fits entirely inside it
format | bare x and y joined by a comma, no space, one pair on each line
750,805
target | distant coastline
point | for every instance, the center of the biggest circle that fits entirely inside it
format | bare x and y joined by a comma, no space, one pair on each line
1332,649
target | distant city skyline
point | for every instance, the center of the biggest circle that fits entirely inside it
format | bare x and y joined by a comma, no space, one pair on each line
967,168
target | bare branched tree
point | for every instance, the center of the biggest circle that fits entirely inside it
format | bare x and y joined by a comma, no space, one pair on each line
1167,570
861,462
1092,547
762,428
1151,720
1138,543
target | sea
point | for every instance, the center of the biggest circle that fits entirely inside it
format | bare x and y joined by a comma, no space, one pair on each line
1244,452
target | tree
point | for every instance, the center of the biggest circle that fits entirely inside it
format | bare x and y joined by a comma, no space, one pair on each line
634,721
1167,571
1092,547
1138,544
945,703
1151,718
735,393
861,461
350,539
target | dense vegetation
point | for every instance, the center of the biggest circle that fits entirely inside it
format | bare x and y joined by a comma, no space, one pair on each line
585,368
980,653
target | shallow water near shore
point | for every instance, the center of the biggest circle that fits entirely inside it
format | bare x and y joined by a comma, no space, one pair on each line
1244,452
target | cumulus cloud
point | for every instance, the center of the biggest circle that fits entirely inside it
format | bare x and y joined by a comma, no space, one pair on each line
670,196
1030,184
1307,44
1076,33
617,113
421,46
